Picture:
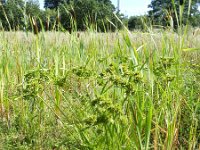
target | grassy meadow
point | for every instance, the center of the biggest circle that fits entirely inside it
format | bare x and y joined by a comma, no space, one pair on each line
100,91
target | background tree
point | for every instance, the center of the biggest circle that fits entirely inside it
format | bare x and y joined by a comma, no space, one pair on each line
54,4
32,10
162,10
135,22
2,1
87,13
48,18
11,14
16,14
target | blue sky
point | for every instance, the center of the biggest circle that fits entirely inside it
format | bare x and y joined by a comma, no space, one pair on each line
133,7
129,7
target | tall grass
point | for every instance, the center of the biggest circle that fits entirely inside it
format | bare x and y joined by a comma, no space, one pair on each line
89,90
107,91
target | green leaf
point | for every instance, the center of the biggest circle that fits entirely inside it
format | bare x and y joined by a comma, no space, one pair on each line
190,49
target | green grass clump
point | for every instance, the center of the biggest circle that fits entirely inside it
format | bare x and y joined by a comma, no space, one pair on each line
99,91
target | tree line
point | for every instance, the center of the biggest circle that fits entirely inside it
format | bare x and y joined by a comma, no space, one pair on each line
100,15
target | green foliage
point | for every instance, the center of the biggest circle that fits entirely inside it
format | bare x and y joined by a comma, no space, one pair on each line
163,10
98,15
88,14
135,22
16,14
54,4
11,14
32,8
60,15
116,91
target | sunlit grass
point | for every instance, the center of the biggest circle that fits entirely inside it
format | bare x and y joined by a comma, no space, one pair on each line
99,91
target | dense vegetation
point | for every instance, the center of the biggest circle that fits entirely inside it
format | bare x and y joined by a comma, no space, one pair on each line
107,91
100,15
59,15
92,90
165,11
